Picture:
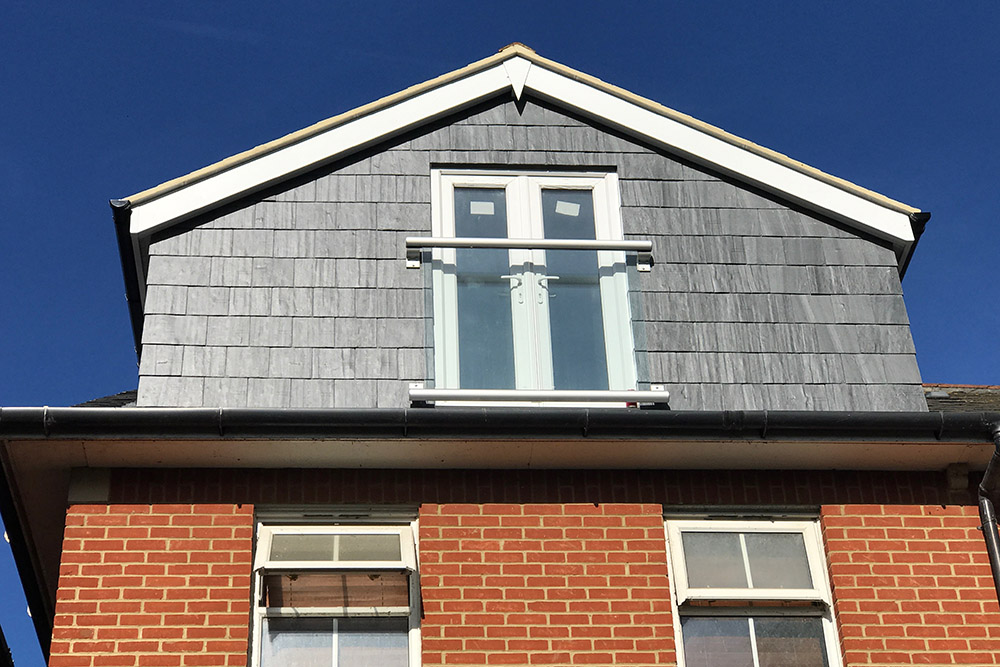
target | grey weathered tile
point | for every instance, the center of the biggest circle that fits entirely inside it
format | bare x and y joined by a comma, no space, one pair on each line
225,392
313,332
311,393
208,300
271,331
161,360
170,392
178,270
249,301
269,393
273,272
166,300
333,362
174,329
204,361
231,271
228,330
294,243
290,362
247,362
355,393
290,301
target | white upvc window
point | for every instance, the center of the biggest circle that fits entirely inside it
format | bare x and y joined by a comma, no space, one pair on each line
528,318
752,593
335,596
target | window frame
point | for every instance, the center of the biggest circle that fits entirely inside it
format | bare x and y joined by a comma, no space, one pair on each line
531,334
687,601
407,534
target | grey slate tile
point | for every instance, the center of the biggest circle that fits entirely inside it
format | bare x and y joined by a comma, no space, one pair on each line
249,301
271,331
200,360
290,362
208,300
273,272
166,300
178,270
175,329
228,330
269,393
333,363
225,392
312,393
247,362
230,271
355,393
161,360
290,301
170,392
314,332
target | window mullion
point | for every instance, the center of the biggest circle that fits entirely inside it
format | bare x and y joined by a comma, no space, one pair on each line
335,644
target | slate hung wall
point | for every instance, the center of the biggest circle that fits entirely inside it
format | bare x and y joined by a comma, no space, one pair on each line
301,297
519,567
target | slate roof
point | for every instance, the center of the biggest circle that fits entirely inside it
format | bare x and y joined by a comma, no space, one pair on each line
123,399
962,397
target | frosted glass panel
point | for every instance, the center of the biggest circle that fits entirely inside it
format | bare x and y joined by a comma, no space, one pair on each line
485,330
372,642
291,642
302,547
369,547
714,560
576,321
778,560
717,642
790,642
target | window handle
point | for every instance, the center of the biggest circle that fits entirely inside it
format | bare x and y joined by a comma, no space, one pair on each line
543,281
516,282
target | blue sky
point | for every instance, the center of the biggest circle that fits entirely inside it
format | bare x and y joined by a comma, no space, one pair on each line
101,100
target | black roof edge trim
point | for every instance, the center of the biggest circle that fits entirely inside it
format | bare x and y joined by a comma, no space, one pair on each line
918,223
41,612
121,210
487,422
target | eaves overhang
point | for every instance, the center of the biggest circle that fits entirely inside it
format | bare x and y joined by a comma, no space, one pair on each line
518,71
41,447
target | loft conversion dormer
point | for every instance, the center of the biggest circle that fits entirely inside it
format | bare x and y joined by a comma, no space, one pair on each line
485,237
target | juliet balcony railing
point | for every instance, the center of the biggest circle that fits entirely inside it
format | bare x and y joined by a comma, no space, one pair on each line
416,245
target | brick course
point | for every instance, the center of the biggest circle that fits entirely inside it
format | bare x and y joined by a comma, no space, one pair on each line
154,586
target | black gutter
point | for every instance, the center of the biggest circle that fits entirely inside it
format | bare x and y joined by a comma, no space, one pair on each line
918,223
121,210
488,422
989,497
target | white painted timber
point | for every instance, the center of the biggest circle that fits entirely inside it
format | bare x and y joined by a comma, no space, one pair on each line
721,155
297,158
518,73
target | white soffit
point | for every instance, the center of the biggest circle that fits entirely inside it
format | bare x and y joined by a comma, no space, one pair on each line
519,73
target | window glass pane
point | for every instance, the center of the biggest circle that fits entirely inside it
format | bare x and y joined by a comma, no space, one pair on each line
716,641
778,560
297,642
576,321
369,547
485,331
302,547
714,560
790,642
336,589
372,642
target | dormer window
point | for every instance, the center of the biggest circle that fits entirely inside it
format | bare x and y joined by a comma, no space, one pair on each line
535,315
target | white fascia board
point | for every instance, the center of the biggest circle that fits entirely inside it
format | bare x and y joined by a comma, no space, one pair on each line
723,156
245,178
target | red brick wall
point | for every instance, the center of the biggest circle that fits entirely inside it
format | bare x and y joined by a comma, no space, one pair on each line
168,585
156,585
507,584
911,585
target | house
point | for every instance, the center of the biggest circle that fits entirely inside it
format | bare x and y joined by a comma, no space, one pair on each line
402,389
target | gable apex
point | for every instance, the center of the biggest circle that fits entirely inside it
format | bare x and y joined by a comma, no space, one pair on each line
518,69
